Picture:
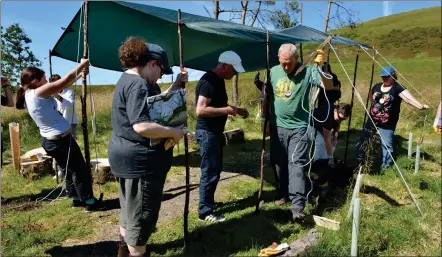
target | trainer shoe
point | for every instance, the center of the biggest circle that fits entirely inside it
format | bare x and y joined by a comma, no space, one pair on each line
78,203
212,217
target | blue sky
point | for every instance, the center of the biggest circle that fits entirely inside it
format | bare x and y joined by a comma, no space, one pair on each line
42,21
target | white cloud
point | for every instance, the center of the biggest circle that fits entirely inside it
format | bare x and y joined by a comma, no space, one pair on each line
388,5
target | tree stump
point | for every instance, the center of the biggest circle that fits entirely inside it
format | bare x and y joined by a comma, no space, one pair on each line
234,136
301,246
101,171
32,169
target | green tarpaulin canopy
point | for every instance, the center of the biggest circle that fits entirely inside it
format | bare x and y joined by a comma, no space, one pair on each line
204,39
312,35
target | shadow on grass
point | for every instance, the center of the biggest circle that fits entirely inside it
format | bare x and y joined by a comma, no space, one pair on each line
220,239
366,189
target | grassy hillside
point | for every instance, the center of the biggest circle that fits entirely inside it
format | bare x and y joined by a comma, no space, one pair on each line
405,35
389,223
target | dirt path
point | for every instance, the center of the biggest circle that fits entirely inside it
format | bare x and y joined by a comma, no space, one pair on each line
172,206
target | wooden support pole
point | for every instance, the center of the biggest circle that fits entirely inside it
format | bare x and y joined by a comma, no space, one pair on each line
55,167
83,97
50,63
351,104
369,88
14,135
266,120
186,143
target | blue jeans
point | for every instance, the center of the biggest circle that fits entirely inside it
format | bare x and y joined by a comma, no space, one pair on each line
387,143
211,150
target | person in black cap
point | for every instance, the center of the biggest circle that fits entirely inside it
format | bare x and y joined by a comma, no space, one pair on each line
139,167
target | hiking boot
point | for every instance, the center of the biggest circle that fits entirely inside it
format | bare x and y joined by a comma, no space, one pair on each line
123,250
298,216
78,203
212,217
281,201
96,206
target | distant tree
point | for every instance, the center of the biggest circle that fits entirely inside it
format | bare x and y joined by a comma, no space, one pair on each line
16,53
285,17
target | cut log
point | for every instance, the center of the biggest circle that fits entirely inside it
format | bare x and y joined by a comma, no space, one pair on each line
234,136
36,169
303,245
101,171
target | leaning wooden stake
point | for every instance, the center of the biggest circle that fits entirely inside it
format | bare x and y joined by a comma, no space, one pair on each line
186,145
87,156
265,114
369,88
351,104
14,133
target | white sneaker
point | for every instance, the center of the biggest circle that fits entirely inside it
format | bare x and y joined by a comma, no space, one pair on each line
213,218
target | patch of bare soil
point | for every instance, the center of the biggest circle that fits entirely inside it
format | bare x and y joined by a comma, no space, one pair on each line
106,232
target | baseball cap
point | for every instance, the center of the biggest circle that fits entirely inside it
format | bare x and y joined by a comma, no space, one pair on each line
232,58
387,71
157,52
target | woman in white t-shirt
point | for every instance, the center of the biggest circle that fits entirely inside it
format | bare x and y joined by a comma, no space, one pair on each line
37,95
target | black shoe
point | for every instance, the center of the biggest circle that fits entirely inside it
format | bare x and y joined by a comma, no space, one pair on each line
4,200
298,216
96,206
78,203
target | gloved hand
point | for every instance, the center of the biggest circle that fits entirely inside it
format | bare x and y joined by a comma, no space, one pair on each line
269,252
319,57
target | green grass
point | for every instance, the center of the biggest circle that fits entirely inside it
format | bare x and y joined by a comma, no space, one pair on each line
390,224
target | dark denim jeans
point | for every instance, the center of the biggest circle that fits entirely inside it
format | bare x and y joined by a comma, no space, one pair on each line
211,149
288,155
78,175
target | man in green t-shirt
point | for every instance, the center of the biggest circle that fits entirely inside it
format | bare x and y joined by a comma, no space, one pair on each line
289,118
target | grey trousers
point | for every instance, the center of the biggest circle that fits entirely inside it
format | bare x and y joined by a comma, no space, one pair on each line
288,153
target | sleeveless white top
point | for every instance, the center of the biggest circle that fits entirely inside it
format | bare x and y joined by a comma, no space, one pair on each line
44,113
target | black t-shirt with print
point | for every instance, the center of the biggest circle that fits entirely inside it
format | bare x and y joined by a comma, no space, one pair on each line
386,106
130,154
213,87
